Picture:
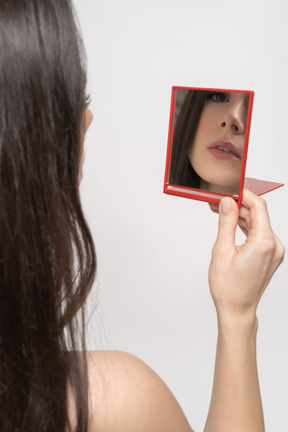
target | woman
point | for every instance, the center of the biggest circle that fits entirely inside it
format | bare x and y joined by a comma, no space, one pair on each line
47,261
208,141
47,258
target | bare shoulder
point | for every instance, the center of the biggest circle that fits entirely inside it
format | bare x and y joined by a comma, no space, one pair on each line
128,396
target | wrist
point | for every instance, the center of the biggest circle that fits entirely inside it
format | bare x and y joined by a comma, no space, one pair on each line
237,323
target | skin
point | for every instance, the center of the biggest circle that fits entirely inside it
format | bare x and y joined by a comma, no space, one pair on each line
238,277
87,120
125,395
223,118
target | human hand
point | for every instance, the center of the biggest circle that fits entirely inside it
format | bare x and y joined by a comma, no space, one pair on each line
238,275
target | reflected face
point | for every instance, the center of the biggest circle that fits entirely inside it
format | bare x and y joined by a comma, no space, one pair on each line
87,120
216,153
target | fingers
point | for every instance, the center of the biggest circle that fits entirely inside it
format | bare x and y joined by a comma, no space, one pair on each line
253,214
238,275
254,211
261,240
244,220
279,250
214,207
243,226
228,218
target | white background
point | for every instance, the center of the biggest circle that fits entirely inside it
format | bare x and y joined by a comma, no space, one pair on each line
153,249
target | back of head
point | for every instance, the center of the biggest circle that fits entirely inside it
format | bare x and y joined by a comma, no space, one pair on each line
47,258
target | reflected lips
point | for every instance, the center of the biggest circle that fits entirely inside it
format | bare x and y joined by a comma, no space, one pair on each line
224,150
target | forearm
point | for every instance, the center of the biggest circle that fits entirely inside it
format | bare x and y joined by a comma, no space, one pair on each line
236,401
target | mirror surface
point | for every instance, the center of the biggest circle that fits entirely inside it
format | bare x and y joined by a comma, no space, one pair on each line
208,139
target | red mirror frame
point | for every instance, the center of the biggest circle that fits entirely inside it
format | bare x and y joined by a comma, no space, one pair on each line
199,194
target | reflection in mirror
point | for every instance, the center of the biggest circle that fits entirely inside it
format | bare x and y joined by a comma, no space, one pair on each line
208,138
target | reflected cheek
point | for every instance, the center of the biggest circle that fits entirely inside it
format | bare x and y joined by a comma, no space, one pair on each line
198,149
196,158
241,144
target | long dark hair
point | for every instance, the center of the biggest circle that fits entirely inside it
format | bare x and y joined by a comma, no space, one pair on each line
181,171
47,258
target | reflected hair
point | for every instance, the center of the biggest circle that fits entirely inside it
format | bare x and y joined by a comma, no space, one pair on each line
181,171
47,257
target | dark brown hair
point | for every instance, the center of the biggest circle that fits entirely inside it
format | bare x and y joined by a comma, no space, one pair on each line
47,258
181,171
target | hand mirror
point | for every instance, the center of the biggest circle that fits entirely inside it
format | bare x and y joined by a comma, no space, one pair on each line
207,145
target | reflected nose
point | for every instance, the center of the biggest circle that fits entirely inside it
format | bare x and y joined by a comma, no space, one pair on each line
234,119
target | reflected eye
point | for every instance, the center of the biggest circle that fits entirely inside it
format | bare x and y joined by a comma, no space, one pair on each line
219,97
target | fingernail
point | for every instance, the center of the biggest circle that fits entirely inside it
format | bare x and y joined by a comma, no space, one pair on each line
225,206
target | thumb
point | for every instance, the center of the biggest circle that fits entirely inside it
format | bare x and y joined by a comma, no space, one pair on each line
228,219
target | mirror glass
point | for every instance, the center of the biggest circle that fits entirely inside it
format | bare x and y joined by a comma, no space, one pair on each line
208,138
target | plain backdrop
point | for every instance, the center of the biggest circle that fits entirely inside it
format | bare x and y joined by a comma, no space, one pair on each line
152,297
